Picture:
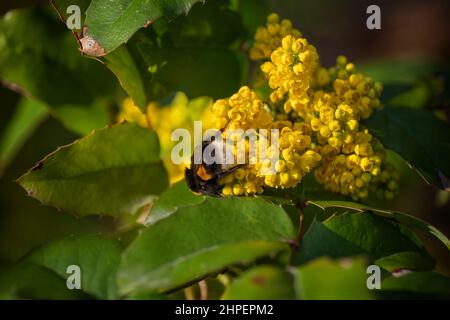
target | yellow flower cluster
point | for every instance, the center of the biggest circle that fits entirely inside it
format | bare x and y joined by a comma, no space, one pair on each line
318,112
268,38
290,71
349,160
244,110
296,156
182,113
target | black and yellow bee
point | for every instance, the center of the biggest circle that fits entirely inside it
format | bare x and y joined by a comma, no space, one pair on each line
204,178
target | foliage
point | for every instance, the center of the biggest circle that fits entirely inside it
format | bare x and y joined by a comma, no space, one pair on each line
149,67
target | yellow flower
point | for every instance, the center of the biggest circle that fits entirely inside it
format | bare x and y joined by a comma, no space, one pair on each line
290,70
132,113
181,113
296,159
243,110
268,38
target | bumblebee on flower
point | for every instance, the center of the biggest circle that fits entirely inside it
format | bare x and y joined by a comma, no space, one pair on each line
321,111
316,113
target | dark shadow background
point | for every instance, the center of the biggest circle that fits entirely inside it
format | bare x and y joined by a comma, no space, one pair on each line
410,28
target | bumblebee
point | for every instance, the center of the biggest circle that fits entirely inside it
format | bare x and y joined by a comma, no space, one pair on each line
204,178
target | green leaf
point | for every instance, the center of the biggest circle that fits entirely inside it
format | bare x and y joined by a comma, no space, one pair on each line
392,91
196,70
399,71
427,282
404,81
417,96
97,257
194,53
416,223
122,64
325,279
409,260
419,138
203,26
354,206
120,61
201,239
29,281
351,234
27,117
177,196
399,217
254,14
179,56
112,171
39,59
61,7
82,119
318,280
263,282
111,23
148,296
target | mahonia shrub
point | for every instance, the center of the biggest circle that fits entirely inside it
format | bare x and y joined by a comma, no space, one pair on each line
317,111
307,213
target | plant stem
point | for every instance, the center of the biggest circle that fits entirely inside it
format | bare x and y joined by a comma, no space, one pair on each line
203,289
189,293
298,237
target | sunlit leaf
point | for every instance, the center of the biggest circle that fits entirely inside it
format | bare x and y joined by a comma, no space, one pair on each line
111,23
409,260
171,200
197,240
122,64
423,283
111,172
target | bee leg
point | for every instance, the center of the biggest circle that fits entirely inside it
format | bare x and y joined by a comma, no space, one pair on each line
225,173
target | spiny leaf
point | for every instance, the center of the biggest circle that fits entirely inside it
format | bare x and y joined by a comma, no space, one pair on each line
111,23
419,138
351,234
200,239
112,171
400,217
